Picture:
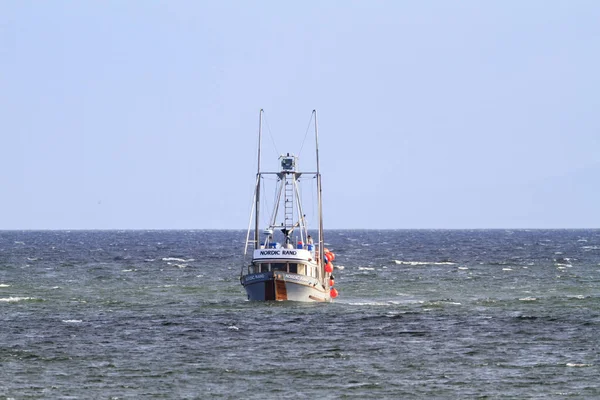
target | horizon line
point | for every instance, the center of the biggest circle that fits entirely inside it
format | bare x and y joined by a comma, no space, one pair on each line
245,229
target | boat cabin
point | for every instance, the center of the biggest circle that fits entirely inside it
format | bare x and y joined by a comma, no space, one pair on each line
280,265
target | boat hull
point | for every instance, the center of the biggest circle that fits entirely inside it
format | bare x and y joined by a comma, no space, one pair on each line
284,286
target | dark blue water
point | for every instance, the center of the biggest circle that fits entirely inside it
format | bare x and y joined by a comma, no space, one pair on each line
421,314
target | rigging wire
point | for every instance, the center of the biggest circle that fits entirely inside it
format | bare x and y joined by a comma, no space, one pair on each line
275,205
250,224
305,134
270,133
265,215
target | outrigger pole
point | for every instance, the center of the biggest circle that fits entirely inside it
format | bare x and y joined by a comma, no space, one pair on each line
320,200
256,197
257,204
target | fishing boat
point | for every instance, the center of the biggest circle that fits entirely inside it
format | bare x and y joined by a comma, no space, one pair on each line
286,263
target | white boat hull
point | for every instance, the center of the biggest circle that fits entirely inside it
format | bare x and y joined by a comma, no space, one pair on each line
284,286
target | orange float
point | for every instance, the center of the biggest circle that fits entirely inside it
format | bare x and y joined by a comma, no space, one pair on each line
333,293
329,267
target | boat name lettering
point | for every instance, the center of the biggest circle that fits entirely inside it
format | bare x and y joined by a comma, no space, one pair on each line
269,252
254,277
278,252
298,278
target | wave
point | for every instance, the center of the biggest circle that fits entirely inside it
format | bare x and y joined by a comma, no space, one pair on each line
372,303
72,321
14,299
178,265
443,302
423,262
177,259
4,285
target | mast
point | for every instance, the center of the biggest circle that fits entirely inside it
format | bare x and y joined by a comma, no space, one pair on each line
257,204
320,200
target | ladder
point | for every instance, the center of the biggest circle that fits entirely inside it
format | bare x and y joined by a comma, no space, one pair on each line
289,202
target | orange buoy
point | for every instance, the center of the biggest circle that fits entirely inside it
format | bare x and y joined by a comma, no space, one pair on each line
331,282
332,255
329,267
333,293
328,257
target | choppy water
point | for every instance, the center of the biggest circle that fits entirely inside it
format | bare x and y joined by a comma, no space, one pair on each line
421,314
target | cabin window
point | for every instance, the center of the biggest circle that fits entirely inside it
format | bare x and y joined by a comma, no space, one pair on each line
279,267
301,269
295,268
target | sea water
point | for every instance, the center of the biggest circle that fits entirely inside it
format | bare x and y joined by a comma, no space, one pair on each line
420,314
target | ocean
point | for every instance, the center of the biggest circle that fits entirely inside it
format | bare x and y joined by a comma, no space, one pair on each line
421,314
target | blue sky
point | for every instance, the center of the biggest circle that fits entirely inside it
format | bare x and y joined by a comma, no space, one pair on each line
432,114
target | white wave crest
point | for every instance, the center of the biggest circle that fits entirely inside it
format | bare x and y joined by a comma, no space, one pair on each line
177,259
178,265
590,247
72,321
578,365
528,299
366,269
423,262
371,303
4,285
14,299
